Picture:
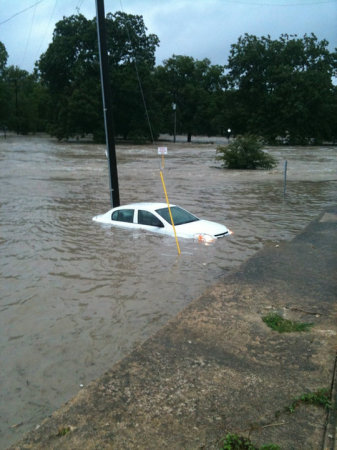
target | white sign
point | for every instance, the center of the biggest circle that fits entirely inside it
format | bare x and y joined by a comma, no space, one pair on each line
162,150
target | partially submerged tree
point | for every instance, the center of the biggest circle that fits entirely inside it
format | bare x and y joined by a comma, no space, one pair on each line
196,88
245,152
22,101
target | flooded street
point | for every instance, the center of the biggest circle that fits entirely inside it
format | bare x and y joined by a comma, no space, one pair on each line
77,296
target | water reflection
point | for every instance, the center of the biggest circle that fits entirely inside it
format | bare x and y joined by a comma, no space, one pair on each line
77,296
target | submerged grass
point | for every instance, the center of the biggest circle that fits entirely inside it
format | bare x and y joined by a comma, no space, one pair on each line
278,323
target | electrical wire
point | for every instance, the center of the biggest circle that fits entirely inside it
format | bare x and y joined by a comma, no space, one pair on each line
47,27
79,4
29,35
139,82
20,12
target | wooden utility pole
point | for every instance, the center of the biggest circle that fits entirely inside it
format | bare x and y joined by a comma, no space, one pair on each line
107,103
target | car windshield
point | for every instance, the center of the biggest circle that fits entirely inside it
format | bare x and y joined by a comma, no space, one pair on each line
179,215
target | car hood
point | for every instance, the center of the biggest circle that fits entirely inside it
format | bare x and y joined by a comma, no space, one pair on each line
201,227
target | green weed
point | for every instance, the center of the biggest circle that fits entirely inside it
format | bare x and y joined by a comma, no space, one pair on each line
278,323
235,442
63,431
319,398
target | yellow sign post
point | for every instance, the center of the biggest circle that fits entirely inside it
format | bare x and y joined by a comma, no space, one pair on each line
163,151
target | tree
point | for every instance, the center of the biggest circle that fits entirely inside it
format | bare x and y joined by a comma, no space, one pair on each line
245,152
195,87
3,90
25,101
333,118
3,57
129,109
70,70
283,87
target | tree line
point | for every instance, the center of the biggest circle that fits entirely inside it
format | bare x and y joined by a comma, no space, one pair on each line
280,89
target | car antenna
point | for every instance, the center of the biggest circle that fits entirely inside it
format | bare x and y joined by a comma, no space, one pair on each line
107,104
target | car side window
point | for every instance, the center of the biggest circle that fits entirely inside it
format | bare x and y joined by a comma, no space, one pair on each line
123,215
147,218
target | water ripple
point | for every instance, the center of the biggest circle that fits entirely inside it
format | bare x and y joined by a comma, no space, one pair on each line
70,286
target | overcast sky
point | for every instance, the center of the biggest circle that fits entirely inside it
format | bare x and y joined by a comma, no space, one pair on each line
197,28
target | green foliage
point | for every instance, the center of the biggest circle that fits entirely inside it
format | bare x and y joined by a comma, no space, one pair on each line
129,111
22,98
25,101
3,57
245,152
283,88
70,70
278,323
235,442
319,398
196,87
279,89
3,88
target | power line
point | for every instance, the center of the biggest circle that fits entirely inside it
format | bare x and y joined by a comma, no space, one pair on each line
79,4
29,34
20,12
47,28
138,78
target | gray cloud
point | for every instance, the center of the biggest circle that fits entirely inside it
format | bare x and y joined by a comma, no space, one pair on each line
198,28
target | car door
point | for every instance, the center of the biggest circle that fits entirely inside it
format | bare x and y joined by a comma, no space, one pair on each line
123,217
148,221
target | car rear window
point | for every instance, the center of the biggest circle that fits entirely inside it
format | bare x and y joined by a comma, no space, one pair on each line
123,215
179,215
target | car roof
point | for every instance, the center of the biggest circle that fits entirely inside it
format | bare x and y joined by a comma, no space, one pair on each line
145,205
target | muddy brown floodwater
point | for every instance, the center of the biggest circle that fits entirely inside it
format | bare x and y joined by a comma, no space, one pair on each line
77,296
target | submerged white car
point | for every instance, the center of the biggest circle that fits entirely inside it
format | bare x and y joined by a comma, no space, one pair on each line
155,217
